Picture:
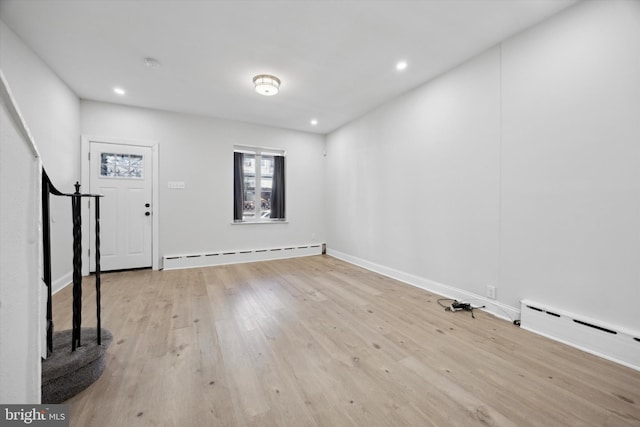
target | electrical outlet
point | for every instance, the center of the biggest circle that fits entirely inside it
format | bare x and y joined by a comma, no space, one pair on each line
491,292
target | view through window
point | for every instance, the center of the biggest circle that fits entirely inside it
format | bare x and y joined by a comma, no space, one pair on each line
260,205
262,183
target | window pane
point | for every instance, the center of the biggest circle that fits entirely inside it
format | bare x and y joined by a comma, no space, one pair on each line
107,164
254,185
266,183
249,167
121,165
249,164
135,166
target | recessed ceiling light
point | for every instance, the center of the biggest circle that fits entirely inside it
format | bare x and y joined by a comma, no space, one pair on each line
119,90
266,84
314,122
401,65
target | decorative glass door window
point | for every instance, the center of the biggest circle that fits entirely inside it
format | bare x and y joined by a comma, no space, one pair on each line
121,165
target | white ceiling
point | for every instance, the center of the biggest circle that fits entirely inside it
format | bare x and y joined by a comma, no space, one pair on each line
336,59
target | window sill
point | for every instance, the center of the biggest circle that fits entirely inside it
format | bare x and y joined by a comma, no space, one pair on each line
274,221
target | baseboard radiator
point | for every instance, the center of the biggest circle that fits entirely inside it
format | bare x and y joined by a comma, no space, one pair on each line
609,342
174,262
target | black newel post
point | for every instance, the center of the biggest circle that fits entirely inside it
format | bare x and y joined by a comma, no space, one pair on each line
77,267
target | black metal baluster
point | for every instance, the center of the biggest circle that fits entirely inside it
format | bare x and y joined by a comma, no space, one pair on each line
77,267
97,216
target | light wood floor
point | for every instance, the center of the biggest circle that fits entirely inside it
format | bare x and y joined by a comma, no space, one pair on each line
318,342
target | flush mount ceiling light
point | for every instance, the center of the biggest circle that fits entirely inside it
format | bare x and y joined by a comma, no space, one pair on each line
266,84
119,91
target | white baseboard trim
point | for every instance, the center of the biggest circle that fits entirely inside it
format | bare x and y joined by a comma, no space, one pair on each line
176,262
61,282
496,308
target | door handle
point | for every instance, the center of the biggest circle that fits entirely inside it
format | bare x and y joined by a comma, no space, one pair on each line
147,213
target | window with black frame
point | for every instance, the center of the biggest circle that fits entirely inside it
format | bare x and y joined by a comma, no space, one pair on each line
258,185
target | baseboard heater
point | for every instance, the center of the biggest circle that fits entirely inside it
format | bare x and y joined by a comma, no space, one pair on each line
174,262
607,341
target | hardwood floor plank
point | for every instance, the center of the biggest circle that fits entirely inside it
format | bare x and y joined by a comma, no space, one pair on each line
318,342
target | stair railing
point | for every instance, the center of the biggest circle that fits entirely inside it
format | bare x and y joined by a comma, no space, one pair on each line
47,189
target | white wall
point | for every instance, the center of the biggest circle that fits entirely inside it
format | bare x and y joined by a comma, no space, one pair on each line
52,113
20,281
414,185
518,169
199,151
571,162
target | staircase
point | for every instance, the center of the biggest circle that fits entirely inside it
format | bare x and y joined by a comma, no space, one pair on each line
75,357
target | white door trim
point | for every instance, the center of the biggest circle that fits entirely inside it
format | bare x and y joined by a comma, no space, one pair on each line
85,147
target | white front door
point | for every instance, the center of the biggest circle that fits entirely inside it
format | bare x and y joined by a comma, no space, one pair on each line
123,174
